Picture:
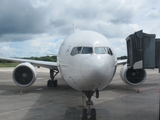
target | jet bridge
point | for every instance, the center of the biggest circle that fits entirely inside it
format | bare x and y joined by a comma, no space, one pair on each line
143,50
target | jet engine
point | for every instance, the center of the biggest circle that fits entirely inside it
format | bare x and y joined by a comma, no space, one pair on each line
132,76
24,75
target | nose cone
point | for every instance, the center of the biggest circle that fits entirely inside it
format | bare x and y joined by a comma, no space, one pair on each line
95,71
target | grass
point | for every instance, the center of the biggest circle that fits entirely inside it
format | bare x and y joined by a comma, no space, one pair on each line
8,64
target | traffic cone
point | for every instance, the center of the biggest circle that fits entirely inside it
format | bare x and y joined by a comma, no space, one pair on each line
20,93
138,90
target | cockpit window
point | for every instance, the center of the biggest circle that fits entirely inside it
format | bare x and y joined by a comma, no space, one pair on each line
76,50
73,51
108,50
99,50
81,50
87,50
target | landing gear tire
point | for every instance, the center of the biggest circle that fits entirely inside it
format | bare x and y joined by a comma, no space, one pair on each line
97,93
55,83
84,117
93,114
51,83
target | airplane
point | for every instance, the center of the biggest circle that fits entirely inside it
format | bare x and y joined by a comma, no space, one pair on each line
86,60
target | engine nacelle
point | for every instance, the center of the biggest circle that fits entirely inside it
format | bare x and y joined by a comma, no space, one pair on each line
132,76
24,75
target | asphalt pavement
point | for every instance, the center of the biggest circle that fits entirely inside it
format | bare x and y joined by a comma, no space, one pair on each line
117,101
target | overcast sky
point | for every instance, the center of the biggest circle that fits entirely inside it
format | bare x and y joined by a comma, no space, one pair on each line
35,27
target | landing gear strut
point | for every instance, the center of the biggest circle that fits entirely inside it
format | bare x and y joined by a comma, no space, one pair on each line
89,114
52,82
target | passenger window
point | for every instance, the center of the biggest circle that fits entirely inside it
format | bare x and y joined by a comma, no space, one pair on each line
87,50
99,50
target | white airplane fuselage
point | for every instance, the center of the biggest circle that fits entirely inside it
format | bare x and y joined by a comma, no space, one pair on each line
86,61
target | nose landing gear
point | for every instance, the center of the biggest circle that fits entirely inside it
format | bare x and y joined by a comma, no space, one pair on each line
89,114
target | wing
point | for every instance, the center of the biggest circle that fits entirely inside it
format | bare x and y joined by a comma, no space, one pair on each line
120,62
50,65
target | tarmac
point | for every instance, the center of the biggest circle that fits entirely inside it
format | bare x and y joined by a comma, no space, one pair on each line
117,101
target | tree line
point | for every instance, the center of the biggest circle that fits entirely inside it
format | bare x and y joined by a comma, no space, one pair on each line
43,58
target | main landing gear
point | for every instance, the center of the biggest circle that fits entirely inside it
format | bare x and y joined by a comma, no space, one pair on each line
52,82
89,114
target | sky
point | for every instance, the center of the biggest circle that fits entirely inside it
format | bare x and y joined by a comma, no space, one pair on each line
38,27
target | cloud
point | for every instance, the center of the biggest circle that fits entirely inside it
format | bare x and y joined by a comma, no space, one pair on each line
36,47
44,21
20,17
15,37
